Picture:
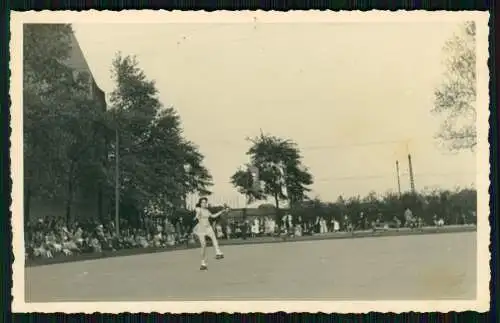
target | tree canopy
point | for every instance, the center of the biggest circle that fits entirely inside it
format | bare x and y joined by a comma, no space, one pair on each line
455,99
280,169
158,165
61,151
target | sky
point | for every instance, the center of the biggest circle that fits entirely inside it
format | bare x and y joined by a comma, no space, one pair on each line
355,97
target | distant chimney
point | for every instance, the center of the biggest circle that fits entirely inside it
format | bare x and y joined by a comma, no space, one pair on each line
397,175
412,180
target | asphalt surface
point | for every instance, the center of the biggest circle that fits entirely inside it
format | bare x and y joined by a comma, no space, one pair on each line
414,267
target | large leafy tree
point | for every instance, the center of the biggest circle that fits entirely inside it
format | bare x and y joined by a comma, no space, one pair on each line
158,166
455,99
61,119
45,77
177,163
134,105
244,181
280,168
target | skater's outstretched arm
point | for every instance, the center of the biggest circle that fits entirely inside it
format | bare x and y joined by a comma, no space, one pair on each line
226,209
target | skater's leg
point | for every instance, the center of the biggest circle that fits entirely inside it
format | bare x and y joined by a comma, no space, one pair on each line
211,235
203,245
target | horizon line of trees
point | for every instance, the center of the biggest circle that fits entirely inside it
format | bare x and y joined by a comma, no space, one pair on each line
455,207
451,206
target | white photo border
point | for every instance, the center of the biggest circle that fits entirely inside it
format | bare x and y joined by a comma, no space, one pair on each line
482,302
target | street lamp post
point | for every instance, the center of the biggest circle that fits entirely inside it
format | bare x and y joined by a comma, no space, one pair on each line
117,182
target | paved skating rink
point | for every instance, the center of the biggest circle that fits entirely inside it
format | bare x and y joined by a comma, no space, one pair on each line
415,267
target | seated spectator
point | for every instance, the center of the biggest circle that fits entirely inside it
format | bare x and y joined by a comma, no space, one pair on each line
298,230
170,240
95,245
157,240
141,240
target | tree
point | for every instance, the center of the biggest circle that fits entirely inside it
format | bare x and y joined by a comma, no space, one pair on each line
84,165
158,166
280,168
45,47
455,99
177,163
243,179
60,119
134,105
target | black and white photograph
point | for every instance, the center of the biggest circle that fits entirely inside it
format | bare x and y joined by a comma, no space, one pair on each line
250,161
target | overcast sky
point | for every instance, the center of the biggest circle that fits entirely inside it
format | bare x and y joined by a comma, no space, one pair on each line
355,97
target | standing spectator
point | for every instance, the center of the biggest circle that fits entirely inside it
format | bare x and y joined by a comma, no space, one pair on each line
317,225
397,222
464,218
336,225
322,226
255,227
266,226
229,231
272,226
361,221
346,223
245,229
409,219
332,224
290,221
218,230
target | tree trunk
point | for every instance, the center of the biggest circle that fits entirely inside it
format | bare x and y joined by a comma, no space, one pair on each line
100,208
185,201
27,203
276,201
69,196
69,201
277,204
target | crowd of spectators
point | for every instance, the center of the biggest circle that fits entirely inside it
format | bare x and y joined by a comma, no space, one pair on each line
53,238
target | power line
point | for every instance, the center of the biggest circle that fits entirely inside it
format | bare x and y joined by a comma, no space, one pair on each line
364,144
336,146
369,177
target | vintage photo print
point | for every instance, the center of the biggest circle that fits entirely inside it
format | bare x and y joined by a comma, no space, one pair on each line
298,161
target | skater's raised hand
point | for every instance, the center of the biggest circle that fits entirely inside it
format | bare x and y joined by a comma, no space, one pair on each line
224,210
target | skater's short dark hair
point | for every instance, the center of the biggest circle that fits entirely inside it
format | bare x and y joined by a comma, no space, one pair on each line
201,200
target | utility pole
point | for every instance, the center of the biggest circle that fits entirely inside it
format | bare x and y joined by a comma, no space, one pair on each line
117,182
399,180
412,180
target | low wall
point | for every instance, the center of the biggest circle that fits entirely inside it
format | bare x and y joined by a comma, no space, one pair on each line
326,236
